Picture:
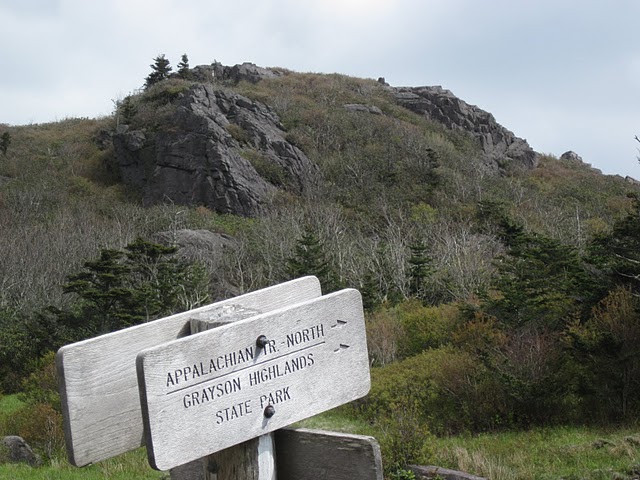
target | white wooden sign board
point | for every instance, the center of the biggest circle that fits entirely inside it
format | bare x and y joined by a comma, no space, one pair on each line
97,377
203,393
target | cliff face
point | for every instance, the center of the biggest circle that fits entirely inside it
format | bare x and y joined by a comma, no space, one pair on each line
499,145
218,149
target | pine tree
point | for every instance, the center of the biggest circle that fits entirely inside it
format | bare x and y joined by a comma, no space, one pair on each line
183,67
160,71
128,110
541,282
310,259
106,299
419,270
123,288
617,254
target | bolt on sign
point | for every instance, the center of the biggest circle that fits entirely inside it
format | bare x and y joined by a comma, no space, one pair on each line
218,388
98,382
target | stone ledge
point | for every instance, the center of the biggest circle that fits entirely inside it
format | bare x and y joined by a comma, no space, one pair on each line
423,472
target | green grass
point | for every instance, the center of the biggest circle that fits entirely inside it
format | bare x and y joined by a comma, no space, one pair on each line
132,465
336,421
543,454
9,404
567,453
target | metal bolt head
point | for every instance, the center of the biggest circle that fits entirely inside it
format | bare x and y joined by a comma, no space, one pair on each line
269,411
262,341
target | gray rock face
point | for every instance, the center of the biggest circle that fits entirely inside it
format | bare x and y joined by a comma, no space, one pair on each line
218,149
194,244
571,157
18,451
245,71
433,472
498,144
360,108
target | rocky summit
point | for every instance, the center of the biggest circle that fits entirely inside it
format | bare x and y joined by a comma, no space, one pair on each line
220,149
500,146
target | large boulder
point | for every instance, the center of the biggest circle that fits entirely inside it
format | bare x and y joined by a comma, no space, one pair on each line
218,149
196,244
500,146
15,450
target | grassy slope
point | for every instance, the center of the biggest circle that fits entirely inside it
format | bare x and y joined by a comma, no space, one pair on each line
568,453
132,465
549,453
540,454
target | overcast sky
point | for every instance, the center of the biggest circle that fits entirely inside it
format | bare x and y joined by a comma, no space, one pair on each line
565,75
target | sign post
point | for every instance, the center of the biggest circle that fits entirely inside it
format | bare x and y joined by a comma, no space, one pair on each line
209,386
97,377
206,392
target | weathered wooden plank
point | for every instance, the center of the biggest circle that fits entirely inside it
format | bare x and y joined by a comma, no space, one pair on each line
203,393
318,455
250,460
98,384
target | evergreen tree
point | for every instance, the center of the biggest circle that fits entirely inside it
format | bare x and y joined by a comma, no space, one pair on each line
127,109
616,254
419,270
5,141
310,259
183,67
123,288
160,71
540,280
106,299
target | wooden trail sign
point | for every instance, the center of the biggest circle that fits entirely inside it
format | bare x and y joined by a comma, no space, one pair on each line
206,392
97,377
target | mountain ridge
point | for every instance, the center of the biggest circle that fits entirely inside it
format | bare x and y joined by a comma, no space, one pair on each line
230,153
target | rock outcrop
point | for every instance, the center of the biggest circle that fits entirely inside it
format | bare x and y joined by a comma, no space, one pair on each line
217,149
196,244
500,146
16,450
360,108
571,156
221,73
433,472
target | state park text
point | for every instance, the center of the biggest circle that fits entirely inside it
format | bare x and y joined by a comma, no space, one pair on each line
219,376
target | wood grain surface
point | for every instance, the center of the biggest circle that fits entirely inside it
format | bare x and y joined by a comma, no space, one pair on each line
206,392
97,377
319,455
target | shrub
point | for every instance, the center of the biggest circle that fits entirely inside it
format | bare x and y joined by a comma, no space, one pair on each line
266,167
41,387
40,426
404,438
445,387
237,132
425,326
383,334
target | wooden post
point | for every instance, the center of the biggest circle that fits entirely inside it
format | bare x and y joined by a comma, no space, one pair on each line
244,379
311,454
253,459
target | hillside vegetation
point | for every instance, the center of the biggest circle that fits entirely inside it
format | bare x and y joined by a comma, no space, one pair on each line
495,299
